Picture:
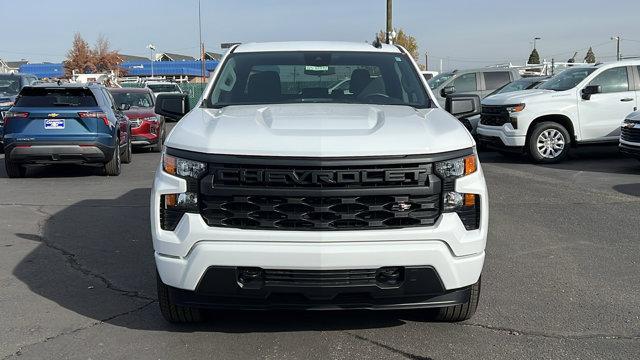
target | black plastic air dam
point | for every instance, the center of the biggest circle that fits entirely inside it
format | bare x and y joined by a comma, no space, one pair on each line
220,288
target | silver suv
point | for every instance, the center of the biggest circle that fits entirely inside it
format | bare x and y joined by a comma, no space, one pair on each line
481,82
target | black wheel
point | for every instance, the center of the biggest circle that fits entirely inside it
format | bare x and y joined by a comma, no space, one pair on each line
14,170
461,312
112,168
158,146
549,143
175,313
126,157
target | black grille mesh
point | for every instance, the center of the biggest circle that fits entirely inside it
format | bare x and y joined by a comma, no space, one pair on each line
494,116
320,213
630,134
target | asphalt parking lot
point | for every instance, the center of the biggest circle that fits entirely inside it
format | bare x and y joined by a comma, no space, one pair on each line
561,279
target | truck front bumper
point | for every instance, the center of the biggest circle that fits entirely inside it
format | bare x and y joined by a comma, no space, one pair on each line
500,136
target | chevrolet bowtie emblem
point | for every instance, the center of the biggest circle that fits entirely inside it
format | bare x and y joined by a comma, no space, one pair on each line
53,115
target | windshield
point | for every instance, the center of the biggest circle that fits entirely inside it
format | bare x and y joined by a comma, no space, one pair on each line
133,99
439,80
159,88
567,79
56,97
517,85
9,86
318,77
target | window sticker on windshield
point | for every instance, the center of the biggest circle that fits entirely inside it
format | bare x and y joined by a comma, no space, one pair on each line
316,68
398,59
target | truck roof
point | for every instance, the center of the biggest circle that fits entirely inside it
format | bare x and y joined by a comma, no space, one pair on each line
315,46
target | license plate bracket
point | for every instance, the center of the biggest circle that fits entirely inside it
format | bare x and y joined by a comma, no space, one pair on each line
54,124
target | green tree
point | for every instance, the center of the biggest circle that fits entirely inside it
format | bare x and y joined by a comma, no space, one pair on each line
590,58
403,39
534,58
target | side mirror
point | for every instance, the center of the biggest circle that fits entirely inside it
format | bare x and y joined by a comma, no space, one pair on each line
124,107
449,90
591,90
463,105
172,106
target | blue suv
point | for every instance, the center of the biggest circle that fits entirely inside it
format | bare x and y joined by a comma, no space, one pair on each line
10,85
67,123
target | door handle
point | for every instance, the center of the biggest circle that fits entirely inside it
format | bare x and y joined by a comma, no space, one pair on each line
626,99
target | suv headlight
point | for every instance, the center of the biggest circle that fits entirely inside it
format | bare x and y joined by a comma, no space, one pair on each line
174,206
467,206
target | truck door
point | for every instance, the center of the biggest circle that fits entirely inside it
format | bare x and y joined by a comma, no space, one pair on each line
601,116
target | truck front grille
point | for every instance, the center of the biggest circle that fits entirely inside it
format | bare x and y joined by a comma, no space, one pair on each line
630,134
320,213
307,195
494,116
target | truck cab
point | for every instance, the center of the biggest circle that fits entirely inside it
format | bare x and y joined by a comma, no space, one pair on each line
481,82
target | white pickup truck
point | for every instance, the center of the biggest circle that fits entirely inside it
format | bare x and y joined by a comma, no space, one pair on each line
275,192
581,105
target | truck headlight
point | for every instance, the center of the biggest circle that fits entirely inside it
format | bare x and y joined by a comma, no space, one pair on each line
457,167
182,167
467,206
515,108
174,206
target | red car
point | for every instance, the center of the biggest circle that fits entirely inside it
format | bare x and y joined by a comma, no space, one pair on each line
147,128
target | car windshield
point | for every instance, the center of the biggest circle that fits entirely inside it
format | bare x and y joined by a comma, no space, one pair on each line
159,88
314,77
517,85
133,99
438,80
567,79
55,97
9,86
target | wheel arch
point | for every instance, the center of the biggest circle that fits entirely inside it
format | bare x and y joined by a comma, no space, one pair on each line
561,119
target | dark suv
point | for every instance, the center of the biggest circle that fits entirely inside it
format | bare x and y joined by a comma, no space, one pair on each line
70,123
10,85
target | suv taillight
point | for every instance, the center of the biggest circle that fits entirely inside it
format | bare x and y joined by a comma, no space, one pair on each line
99,115
13,115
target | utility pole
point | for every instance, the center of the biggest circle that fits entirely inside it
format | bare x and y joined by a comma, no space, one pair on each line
441,66
617,39
426,61
389,21
202,52
535,40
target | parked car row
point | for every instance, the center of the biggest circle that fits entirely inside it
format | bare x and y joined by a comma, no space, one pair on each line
580,106
79,124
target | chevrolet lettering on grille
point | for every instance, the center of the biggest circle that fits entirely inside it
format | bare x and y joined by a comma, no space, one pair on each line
319,177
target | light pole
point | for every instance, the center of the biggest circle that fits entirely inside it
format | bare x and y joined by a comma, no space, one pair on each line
152,49
617,39
389,37
535,40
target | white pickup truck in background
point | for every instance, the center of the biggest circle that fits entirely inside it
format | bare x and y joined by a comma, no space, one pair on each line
582,105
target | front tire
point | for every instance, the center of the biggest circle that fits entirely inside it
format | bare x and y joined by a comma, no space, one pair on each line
14,170
175,313
549,143
461,312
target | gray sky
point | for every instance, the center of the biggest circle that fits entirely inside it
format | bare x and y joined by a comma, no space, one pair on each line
464,33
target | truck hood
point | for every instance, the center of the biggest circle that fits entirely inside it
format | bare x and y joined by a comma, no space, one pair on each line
517,97
319,130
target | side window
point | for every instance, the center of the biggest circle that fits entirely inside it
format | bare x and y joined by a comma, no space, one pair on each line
466,83
612,80
496,79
